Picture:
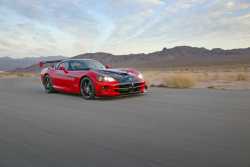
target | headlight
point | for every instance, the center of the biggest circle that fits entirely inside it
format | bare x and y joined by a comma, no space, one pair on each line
140,76
102,78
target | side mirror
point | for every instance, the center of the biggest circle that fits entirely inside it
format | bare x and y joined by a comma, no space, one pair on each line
41,64
108,66
63,69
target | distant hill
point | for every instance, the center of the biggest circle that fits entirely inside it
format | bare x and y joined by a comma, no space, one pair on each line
174,57
177,56
8,63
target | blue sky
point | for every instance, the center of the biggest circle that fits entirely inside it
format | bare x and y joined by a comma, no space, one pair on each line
71,27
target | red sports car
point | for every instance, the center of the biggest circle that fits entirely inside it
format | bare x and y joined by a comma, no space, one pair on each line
90,78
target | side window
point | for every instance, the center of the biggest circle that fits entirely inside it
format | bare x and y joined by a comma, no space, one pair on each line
64,64
77,65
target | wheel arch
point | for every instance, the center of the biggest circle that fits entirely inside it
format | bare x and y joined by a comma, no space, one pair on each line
81,78
43,76
90,75
91,79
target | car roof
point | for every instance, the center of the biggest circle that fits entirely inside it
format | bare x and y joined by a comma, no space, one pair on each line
66,60
77,59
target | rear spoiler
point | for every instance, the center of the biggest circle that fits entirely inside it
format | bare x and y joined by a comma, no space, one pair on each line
42,63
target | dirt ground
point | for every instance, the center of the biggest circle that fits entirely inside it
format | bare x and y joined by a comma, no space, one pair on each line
203,77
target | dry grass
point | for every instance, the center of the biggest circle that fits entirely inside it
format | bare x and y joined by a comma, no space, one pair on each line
16,74
199,78
241,77
211,87
180,81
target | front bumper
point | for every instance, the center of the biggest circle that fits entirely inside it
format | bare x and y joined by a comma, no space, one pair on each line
117,89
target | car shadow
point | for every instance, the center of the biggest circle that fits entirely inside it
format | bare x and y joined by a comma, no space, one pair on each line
119,97
100,98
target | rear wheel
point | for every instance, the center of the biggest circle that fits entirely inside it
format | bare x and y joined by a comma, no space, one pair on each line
48,84
87,88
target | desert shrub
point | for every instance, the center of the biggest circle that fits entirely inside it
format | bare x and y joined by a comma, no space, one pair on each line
245,69
4,74
241,77
180,81
17,74
211,87
20,74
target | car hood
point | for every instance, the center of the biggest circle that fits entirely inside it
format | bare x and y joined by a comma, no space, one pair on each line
121,75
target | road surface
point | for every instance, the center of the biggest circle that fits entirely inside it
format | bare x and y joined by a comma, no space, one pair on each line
165,128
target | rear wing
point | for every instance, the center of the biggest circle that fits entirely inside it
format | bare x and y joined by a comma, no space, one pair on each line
52,62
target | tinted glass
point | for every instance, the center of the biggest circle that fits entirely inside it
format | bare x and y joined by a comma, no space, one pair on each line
64,64
79,65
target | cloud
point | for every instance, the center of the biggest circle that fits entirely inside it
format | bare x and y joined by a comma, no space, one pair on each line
44,27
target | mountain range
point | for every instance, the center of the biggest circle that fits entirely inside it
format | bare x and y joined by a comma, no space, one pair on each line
8,63
174,57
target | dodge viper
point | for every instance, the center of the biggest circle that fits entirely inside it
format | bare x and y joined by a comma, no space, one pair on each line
90,78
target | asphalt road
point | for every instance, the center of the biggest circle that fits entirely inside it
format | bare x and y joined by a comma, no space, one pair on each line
165,128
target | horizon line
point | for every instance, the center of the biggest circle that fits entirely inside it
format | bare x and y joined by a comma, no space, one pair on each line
59,55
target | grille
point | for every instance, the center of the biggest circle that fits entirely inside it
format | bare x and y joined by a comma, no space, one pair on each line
129,88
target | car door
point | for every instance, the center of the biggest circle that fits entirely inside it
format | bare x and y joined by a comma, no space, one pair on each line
62,77
75,71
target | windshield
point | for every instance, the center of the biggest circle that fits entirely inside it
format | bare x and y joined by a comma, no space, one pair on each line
78,65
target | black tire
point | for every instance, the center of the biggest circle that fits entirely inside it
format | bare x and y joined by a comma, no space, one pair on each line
48,86
87,89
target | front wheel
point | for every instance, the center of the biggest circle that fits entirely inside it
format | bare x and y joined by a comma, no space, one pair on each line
48,84
87,88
